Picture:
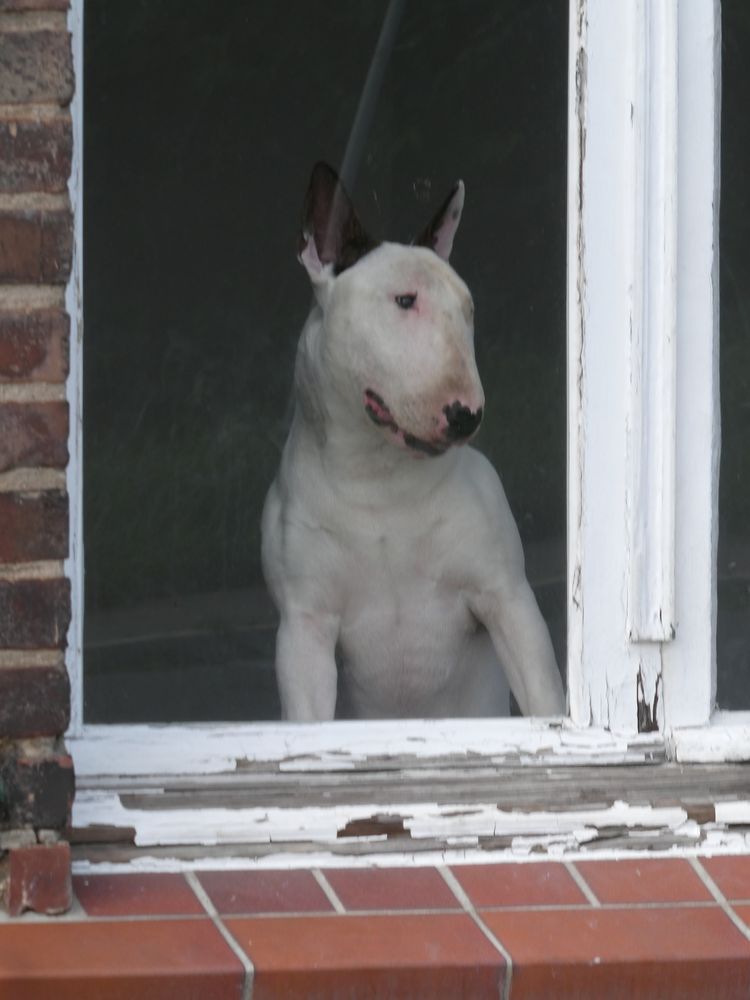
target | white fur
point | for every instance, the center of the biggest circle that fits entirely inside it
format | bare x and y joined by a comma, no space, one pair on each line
404,573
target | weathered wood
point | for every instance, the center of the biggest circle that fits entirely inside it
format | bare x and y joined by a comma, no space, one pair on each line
469,807
552,789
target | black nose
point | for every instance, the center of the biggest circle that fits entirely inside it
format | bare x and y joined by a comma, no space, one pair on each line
461,421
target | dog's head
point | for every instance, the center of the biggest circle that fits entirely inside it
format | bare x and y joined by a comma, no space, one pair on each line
398,320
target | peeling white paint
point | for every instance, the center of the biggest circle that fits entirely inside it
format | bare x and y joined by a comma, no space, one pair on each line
528,836
211,749
715,844
733,813
214,826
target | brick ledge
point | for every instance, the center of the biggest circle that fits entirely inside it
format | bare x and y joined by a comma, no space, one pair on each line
657,928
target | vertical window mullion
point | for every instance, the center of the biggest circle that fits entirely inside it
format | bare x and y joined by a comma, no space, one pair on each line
602,221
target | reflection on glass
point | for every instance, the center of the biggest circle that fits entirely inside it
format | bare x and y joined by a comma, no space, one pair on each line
734,489
201,126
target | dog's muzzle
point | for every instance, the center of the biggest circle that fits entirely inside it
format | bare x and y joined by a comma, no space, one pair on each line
460,424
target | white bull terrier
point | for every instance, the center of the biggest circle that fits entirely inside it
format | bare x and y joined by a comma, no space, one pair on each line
392,554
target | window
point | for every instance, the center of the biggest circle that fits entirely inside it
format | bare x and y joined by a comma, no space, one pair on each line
200,133
642,529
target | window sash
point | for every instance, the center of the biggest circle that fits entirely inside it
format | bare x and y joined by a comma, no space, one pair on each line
643,443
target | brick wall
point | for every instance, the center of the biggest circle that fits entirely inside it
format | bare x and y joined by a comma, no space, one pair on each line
36,241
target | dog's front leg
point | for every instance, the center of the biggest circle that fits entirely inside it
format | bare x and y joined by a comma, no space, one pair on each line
523,645
306,666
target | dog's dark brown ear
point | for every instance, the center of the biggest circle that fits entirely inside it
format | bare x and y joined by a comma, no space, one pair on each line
331,224
438,236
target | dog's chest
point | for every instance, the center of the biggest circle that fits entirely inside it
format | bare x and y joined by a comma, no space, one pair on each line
406,623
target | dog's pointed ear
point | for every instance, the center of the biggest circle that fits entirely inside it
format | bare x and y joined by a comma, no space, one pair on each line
332,236
438,236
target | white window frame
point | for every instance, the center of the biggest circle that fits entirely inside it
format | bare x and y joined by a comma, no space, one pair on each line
642,319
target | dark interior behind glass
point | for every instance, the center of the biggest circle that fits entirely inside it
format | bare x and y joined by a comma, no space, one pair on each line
734,484
202,122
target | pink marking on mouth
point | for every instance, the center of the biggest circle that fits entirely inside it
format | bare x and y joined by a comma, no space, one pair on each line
378,412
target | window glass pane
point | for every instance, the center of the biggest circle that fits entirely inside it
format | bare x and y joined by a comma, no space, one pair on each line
734,491
202,123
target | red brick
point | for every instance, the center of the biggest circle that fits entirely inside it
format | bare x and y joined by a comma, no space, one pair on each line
36,245
38,792
391,889
731,874
7,5
34,346
644,880
34,526
34,701
39,879
436,955
132,894
33,434
665,953
537,883
265,892
37,66
35,155
34,614
117,960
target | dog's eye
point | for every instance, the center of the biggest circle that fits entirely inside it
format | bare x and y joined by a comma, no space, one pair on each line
406,301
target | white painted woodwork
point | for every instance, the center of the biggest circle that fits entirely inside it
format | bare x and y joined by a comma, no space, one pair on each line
653,326
603,220
690,661
209,748
727,739
643,330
